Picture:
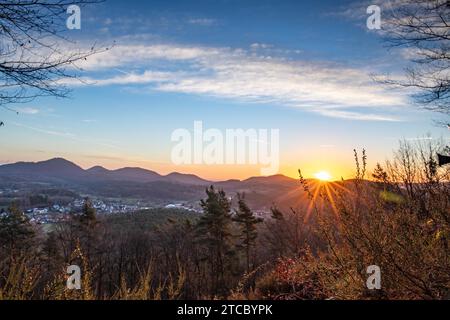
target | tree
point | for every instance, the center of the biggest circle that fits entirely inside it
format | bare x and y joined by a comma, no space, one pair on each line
87,228
52,256
34,53
82,230
16,231
213,231
422,28
88,217
379,174
247,223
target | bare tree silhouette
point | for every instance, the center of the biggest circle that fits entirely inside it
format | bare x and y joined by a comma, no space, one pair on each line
33,49
422,28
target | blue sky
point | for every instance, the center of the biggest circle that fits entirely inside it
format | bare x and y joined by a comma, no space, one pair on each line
303,67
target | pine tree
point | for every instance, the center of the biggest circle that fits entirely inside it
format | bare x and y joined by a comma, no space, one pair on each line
88,217
276,232
16,231
379,174
51,252
86,227
247,223
213,231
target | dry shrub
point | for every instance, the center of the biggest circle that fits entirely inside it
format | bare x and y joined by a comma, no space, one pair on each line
399,222
20,279
57,288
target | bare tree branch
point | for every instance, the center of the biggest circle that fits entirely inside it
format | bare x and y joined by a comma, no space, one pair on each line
422,27
33,49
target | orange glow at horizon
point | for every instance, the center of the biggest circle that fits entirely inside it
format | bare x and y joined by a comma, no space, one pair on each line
322,175
290,168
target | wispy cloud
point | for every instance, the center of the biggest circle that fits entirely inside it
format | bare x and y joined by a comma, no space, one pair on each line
205,22
64,134
357,11
326,88
123,79
45,131
257,45
28,110
356,116
135,55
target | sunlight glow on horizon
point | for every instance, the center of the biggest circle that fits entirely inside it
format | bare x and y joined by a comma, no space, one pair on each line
323,176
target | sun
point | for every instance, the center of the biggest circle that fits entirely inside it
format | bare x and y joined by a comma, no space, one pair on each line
323,176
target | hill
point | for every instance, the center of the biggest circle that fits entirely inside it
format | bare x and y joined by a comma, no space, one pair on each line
137,183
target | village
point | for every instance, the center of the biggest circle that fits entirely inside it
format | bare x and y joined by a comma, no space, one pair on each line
54,213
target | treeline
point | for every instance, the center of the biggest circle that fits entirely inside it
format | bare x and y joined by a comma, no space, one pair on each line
154,254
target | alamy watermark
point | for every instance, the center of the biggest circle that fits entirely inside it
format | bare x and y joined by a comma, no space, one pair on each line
73,22
374,20
374,280
74,280
229,147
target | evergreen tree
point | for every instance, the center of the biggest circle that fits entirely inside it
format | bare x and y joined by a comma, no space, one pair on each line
87,229
51,252
276,232
247,223
16,231
213,231
88,217
379,174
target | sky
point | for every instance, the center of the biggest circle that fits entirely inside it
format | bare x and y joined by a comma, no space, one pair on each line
304,68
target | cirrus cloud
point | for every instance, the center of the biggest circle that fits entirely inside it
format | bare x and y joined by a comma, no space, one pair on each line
322,87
